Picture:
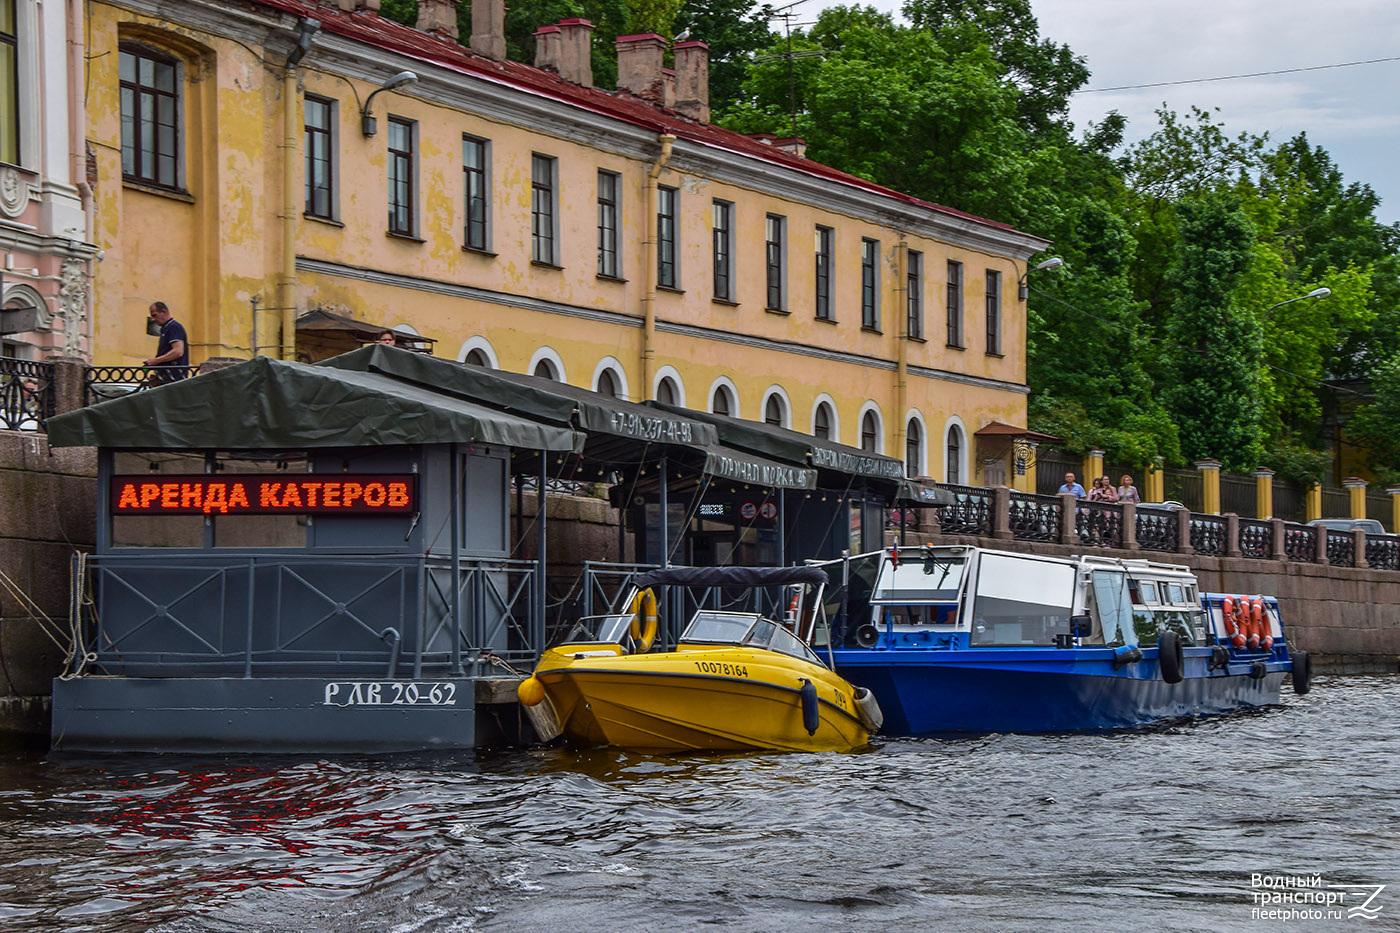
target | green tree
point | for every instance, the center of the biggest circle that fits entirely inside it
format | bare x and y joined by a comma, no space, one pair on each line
734,31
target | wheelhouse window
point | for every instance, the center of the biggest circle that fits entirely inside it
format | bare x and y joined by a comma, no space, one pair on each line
402,189
869,284
775,252
9,85
666,201
542,210
150,106
319,121
993,313
477,185
722,224
825,237
607,223
914,301
955,309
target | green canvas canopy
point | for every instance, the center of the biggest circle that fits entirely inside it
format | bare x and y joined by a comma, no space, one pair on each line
275,404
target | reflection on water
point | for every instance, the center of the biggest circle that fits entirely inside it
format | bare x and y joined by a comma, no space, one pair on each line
1103,832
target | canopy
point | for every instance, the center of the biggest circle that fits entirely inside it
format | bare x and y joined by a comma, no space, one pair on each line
321,334
617,431
731,576
274,404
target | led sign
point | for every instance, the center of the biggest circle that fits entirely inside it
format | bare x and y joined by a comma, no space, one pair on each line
265,494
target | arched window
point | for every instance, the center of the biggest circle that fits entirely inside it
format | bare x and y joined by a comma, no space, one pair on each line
478,358
913,448
821,422
545,370
607,383
666,391
954,455
869,432
724,404
773,412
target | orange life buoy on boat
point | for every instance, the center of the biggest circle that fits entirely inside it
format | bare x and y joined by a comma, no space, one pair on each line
1228,610
1251,623
1261,617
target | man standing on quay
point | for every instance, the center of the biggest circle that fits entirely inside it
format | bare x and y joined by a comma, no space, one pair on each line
173,350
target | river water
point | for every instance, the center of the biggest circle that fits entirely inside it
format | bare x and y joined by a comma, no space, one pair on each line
1153,830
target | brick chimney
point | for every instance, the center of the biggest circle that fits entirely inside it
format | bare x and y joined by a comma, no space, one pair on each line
693,80
548,41
350,6
639,66
793,144
576,51
489,28
438,17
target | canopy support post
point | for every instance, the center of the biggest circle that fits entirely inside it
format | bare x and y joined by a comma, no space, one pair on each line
455,508
537,617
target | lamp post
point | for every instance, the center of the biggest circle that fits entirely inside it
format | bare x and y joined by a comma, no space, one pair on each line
1054,262
1322,292
368,124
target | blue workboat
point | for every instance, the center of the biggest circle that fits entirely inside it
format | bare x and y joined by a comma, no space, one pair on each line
965,639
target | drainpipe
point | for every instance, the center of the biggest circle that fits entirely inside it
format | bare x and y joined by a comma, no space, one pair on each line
287,281
77,132
649,298
901,371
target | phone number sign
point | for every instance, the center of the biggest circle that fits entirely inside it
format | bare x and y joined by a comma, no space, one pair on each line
265,494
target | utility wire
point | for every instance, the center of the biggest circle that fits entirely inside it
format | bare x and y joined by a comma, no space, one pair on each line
1252,74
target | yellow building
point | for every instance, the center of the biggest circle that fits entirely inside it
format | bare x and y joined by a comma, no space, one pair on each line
277,162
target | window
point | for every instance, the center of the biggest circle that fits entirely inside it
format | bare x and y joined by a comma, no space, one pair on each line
913,449
723,227
150,103
475,174
774,411
9,86
955,321
402,195
821,422
869,284
607,384
914,296
954,471
824,238
607,223
542,210
724,402
319,123
666,392
869,432
545,370
478,358
773,255
993,313
666,237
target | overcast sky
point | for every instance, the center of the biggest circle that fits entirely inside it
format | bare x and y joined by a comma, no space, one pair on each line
1352,112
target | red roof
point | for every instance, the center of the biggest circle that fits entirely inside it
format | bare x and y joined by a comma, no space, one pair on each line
372,29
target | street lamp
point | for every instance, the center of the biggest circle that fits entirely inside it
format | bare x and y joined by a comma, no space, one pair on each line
1054,262
368,124
1322,292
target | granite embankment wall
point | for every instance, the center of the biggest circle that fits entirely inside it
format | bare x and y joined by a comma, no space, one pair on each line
48,507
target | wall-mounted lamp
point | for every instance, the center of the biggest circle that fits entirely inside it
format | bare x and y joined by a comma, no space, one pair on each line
1054,262
368,124
306,31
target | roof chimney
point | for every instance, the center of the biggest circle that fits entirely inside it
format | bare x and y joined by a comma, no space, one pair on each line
639,66
489,28
350,6
576,51
547,44
693,80
793,144
438,17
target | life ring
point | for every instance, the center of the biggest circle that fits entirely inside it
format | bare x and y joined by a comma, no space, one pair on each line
644,620
1261,618
1171,657
1229,612
1251,622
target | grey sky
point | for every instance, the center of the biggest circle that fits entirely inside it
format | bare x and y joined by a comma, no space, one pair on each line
1351,112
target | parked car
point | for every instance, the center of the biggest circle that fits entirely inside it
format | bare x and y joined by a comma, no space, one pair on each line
1171,505
1368,525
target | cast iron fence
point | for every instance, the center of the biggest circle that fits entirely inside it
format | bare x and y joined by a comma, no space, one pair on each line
26,394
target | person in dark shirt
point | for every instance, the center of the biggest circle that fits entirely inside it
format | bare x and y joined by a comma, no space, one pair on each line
173,351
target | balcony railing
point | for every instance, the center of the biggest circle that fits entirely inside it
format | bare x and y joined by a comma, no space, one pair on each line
26,394
101,383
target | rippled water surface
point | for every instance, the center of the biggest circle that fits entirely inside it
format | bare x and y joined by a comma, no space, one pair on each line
1156,830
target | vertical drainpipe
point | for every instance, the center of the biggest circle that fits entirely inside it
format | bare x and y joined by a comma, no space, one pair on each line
901,371
77,134
649,298
287,280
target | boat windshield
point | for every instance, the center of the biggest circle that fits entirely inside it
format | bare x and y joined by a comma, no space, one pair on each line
1115,608
935,580
1021,600
594,630
723,628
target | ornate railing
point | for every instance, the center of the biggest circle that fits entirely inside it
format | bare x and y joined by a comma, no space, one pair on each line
26,394
1300,543
1256,538
969,514
103,382
1208,534
1341,549
1383,552
1099,524
1157,530
1035,518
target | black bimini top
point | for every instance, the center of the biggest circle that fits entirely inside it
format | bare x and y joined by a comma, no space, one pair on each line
731,576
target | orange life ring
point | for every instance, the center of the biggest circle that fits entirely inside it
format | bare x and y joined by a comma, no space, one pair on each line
1261,616
1229,612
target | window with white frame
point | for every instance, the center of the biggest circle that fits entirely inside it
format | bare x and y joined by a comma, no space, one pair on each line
666,391
724,403
954,455
150,114
775,411
913,449
476,177
822,421
870,432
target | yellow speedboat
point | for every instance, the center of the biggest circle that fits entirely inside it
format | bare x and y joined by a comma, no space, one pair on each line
735,681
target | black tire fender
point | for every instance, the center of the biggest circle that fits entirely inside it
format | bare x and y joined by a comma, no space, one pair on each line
1171,657
1302,672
